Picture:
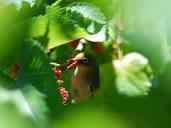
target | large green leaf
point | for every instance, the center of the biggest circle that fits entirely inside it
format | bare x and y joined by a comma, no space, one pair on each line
62,25
134,75
57,36
35,102
11,117
85,15
111,8
35,69
38,26
13,30
29,101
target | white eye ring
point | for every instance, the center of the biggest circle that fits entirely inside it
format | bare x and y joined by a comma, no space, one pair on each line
84,60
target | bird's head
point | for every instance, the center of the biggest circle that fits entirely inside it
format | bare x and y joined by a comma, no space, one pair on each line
80,58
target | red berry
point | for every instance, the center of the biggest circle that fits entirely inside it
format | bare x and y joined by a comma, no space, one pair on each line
65,98
64,95
58,73
62,89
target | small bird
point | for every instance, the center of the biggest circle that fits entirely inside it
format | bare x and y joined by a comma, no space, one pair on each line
85,79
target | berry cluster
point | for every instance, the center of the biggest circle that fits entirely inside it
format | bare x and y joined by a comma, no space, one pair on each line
58,74
64,95
62,91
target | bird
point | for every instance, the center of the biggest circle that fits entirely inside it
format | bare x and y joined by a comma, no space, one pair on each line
85,79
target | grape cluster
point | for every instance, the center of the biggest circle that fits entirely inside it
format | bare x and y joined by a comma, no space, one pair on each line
64,95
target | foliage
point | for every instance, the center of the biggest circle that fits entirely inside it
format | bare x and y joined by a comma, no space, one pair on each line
133,75
129,40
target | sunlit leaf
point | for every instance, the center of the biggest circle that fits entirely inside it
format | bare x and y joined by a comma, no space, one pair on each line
134,75
11,117
85,15
39,26
28,100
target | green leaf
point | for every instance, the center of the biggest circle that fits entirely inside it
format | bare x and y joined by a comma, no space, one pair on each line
11,117
150,40
35,69
88,11
28,100
134,75
101,36
153,46
85,15
36,102
71,22
18,2
56,35
112,6
14,25
52,11
6,81
38,26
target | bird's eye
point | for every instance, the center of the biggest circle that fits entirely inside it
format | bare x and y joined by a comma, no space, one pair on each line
84,60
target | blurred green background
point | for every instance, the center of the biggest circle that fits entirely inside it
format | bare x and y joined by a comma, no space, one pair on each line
28,28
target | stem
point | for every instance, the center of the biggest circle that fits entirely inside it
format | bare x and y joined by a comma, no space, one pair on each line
119,40
54,64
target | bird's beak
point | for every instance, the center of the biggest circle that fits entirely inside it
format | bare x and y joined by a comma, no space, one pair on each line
75,61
